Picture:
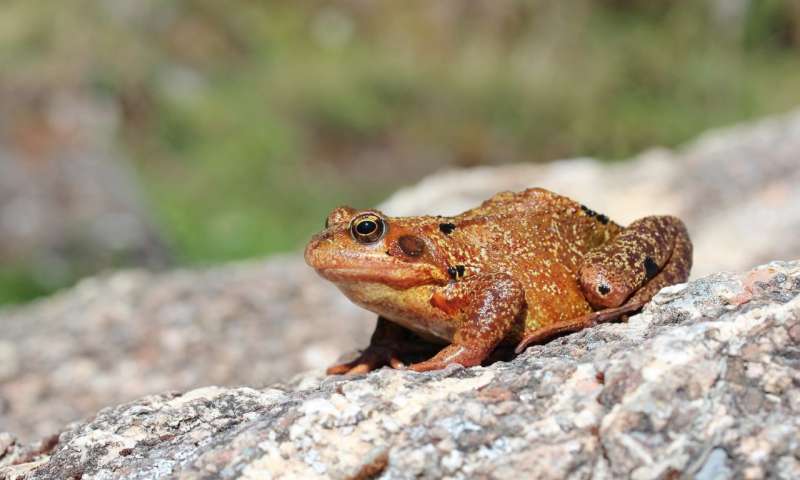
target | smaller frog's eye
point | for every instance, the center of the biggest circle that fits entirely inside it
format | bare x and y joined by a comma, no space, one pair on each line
367,228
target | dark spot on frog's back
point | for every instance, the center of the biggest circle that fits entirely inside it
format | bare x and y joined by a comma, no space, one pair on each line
411,245
650,268
591,213
588,211
456,272
447,228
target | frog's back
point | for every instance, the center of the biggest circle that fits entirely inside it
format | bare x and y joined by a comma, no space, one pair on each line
536,220
539,238
528,202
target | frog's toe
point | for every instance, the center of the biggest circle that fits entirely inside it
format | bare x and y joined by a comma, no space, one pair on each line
460,354
427,366
351,368
360,369
369,360
340,369
396,363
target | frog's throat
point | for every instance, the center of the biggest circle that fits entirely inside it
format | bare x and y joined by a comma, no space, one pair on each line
410,308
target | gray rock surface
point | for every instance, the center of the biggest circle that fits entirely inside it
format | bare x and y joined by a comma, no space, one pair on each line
702,384
119,337
115,338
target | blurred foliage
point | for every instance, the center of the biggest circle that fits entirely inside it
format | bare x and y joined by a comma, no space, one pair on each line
18,284
248,120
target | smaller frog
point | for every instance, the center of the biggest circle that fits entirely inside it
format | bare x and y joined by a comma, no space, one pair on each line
519,269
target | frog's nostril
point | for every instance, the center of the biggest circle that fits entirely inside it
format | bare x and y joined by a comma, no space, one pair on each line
322,236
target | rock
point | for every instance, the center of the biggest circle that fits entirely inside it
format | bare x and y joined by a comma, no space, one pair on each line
118,337
702,384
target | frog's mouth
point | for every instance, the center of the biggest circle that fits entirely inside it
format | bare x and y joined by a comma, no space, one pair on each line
400,279
369,266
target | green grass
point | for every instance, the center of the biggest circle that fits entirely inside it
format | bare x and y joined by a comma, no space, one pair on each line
249,121
19,283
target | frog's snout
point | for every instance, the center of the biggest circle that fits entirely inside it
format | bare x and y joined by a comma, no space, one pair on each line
310,253
307,255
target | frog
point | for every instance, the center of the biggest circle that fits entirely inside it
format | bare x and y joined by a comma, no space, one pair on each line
520,269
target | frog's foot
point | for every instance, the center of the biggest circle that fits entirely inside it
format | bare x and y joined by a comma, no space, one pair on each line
462,355
577,324
373,358
389,343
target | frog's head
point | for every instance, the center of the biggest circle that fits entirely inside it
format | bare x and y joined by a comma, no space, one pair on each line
367,247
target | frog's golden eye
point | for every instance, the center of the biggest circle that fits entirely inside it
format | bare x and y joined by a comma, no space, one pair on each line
367,228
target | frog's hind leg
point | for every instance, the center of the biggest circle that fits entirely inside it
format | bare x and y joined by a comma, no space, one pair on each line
621,277
574,325
650,254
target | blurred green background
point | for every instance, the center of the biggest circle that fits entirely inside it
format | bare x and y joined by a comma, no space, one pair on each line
247,121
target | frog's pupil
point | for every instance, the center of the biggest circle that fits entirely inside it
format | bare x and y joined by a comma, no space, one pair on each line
366,227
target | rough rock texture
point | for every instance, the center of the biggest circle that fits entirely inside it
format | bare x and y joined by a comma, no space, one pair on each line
112,339
703,384
119,337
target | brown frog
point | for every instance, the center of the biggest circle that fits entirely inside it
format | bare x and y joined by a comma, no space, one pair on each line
521,268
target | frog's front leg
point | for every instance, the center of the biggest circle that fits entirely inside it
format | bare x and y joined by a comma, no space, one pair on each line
484,308
385,346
